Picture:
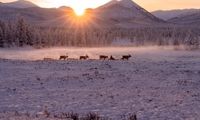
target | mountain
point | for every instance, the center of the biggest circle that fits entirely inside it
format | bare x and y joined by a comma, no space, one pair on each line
169,14
190,19
126,13
19,4
33,15
122,14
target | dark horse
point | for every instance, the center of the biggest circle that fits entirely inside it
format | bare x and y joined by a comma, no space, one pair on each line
64,57
103,57
84,57
126,57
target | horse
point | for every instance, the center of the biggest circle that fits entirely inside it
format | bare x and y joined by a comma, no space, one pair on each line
103,57
126,57
64,57
84,57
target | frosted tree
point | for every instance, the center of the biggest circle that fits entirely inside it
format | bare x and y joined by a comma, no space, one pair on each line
22,33
1,38
2,34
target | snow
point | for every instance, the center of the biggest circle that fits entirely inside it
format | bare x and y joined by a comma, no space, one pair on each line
128,3
124,3
38,54
122,9
156,83
126,14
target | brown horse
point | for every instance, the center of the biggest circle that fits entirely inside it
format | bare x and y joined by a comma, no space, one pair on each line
84,57
103,57
63,57
126,57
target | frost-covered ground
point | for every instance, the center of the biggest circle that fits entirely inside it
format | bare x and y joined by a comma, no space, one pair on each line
156,84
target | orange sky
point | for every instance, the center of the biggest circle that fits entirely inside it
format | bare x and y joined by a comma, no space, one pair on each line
150,5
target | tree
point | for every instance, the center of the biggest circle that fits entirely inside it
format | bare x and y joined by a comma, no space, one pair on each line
2,33
22,32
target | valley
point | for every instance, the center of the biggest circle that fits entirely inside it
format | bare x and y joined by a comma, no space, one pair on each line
154,84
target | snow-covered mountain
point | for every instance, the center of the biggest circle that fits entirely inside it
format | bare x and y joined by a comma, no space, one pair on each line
190,19
19,4
117,13
126,13
33,15
169,14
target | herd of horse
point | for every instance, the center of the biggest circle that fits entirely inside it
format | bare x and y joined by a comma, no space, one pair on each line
101,57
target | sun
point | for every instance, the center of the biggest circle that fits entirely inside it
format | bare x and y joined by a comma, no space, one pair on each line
80,17
79,11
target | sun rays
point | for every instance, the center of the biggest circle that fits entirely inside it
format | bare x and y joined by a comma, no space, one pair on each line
79,11
80,18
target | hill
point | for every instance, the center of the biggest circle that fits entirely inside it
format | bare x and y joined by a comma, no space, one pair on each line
19,4
191,19
169,14
126,13
123,14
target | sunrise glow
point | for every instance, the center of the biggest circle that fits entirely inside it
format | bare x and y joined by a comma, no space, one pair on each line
149,5
80,18
79,11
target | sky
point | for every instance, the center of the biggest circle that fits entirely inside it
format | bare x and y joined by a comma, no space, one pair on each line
149,5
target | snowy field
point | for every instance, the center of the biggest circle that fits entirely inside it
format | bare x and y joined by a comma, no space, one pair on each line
156,83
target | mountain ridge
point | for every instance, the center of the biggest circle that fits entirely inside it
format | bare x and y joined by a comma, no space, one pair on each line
117,13
19,4
126,11
190,19
169,14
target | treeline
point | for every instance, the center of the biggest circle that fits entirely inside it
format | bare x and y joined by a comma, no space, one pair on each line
22,34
